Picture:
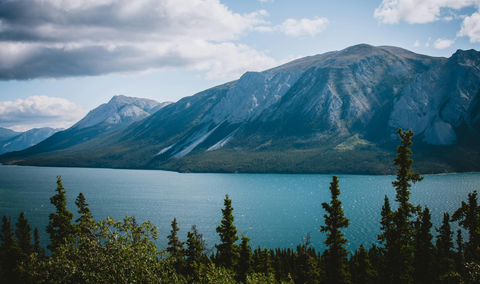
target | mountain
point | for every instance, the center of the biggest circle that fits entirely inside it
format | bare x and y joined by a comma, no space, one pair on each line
26,139
6,134
101,122
330,113
120,111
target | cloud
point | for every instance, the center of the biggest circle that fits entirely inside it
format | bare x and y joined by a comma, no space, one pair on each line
39,111
68,38
442,43
266,1
304,27
428,42
471,27
416,43
418,11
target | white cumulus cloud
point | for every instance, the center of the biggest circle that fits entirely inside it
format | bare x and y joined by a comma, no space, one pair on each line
416,43
295,28
471,27
417,11
442,43
39,111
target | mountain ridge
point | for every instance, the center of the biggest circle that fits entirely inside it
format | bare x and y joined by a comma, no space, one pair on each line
288,118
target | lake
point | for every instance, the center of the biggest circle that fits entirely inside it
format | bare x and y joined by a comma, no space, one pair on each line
273,210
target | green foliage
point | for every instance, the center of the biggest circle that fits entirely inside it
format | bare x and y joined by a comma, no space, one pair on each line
398,226
119,252
336,254
227,249
175,247
424,256
468,216
60,227
363,271
245,262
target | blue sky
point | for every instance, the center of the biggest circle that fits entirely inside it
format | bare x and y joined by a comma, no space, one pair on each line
61,58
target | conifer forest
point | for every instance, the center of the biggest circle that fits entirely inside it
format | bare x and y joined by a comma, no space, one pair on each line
86,250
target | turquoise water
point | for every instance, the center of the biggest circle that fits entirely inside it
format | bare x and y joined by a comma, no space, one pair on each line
273,210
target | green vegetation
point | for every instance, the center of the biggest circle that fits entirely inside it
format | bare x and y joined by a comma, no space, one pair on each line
110,251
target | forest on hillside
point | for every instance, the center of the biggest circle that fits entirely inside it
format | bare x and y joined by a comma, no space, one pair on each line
110,251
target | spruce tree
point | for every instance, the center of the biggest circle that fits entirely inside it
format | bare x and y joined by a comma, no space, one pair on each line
227,249
445,264
83,210
175,247
336,254
193,254
424,250
468,216
10,254
23,235
400,250
245,262
37,247
363,271
60,227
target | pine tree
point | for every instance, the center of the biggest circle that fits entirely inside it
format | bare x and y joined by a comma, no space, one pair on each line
245,261
83,210
37,247
363,271
424,250
10,254
468,216
175,247
23,235
193,253
60,227
227,249
336,254
444,243
400,249
444,246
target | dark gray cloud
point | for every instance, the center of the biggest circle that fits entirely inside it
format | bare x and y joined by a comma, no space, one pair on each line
68,38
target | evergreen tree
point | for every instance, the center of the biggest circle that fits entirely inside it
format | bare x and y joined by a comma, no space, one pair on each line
444,243
400,249
37,247
468,216
193,253
23,235
83,210
445,265
10,254
175,247
363,271
227,249
424,249
245,261
60,227
336,254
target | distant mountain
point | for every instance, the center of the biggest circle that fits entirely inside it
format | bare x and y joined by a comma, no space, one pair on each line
26,139
6,134
120,111
117,114
331,113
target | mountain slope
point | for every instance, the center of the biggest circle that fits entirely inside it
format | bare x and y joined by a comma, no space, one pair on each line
334,112
26,139
6,134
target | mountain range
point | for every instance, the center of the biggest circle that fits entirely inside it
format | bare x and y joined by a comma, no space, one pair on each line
336,112
15,141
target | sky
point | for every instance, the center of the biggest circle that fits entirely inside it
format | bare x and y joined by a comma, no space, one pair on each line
60,59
